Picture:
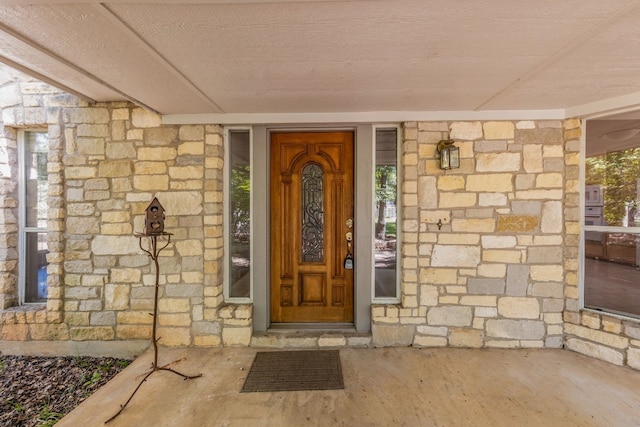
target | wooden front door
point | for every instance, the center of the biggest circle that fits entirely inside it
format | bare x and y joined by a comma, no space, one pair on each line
311,206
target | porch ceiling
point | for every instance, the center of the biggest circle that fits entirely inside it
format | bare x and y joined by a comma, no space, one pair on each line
263,56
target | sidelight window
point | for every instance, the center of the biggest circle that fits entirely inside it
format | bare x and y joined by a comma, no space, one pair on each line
34,188
238,215
386,216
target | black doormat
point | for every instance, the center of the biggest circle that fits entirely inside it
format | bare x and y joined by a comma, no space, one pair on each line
295,370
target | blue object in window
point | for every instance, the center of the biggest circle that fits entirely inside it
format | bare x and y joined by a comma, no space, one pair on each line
43,289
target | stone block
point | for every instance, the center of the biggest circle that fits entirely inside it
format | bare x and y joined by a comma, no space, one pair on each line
492,270
174,305
392,335
14,332
498,130
332,340
474,225
502,255
457,239
151,182
186,172
547,273
116,296
498,242
450,182
115,245
519,308
91,333
80,172
103,318
455,200
126,275
236,336
466,130
142,118
516,329
455,256
191,133
552,218
182,203
478,300
189,248
88,115
600,337
544,254
594,350
547,290
449,316
133,332
468,338
192,148
498,162
488,146
539,194
427,192
517,280
51,332
485,286
428,341
492,199
174,336
633,358
517,223
207,341
174,319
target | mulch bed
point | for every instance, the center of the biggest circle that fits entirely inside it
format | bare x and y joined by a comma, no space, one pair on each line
39,391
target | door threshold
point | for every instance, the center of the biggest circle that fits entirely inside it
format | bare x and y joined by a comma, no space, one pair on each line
292,327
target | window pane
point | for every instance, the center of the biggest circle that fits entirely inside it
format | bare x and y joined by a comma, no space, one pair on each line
239,214
36,267
617,176
612,199
385,215
36,182
611,272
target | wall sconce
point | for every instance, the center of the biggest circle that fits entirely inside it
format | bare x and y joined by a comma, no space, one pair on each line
449,154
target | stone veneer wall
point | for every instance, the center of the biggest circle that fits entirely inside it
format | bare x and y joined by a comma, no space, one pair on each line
106,163
502,271
492,273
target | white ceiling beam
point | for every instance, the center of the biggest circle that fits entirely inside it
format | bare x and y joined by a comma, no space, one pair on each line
360,117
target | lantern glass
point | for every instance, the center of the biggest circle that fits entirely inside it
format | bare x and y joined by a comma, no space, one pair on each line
454,157
444,158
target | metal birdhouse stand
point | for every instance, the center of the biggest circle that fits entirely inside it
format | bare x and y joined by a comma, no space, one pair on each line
154,232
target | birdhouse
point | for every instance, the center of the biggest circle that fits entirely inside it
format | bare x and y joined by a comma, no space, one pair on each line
154,220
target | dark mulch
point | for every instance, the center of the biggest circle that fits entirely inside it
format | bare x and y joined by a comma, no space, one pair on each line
38,391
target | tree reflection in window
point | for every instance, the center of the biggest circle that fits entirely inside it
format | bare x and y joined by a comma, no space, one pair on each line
312,213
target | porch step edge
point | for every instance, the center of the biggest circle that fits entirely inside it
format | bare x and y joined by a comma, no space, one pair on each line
310,339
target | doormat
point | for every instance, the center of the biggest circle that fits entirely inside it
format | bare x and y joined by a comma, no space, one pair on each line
294,370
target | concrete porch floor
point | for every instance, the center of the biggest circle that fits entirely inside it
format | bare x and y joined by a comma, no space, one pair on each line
383,387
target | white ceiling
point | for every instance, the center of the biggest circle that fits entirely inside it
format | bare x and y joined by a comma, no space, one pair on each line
350,56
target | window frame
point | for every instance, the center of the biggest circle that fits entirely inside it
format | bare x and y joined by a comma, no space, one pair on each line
227,218
23,229
399,171
594,228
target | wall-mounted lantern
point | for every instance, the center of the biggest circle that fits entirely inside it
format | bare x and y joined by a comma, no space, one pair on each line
449,154
154,219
